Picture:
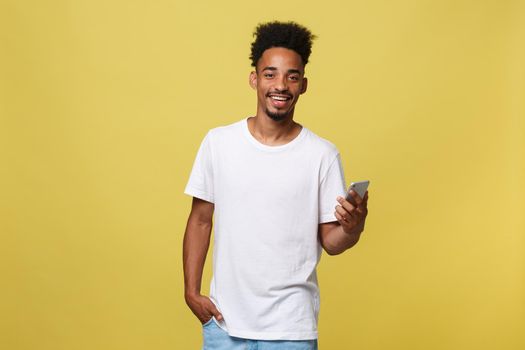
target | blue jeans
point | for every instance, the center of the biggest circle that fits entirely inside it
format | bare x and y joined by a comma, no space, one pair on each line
215,338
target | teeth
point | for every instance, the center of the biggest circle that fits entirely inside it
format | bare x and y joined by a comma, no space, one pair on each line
279,98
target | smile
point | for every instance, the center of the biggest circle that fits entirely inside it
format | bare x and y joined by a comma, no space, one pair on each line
280,97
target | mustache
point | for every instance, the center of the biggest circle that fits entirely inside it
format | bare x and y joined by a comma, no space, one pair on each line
277,92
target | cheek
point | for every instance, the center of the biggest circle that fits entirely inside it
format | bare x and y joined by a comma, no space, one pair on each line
261,91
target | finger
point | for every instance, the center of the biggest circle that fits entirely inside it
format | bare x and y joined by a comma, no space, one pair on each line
343,212
215,312
206,320
341,219
351,197
361,212
356,197
362,207
345,215
348,206
365,199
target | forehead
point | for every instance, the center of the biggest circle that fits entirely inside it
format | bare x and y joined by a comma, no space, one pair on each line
280,58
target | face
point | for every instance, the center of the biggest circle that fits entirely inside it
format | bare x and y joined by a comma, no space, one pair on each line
279,81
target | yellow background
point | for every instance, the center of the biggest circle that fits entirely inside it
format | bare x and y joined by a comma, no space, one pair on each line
103,105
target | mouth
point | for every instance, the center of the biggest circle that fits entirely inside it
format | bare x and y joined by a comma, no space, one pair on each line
279,100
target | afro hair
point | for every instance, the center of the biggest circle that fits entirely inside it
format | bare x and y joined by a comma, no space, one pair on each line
289,35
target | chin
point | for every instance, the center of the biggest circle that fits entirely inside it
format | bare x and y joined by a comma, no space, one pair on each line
277,116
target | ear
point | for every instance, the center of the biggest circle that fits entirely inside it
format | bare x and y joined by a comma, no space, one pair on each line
253,80
305,85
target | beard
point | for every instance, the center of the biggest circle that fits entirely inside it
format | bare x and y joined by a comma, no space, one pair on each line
276,116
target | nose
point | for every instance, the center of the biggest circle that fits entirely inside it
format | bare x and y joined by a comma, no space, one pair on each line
281,84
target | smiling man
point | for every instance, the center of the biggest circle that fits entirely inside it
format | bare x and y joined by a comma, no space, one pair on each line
276,191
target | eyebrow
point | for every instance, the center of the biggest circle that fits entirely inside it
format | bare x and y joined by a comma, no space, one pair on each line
290,71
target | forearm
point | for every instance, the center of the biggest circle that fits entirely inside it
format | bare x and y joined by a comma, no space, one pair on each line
195,247
337,241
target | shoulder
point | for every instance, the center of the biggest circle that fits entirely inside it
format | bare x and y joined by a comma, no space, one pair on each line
324,147
225,132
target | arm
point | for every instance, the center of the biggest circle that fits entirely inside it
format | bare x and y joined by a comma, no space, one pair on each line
340,235
195,247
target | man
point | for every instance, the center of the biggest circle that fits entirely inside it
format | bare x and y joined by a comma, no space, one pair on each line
272,185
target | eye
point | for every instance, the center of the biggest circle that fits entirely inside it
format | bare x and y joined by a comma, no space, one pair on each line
294,77
268,75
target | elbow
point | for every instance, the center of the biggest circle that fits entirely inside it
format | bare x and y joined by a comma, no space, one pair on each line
339,249
333,250
332,253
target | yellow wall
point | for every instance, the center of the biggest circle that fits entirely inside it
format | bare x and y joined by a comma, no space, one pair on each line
104,103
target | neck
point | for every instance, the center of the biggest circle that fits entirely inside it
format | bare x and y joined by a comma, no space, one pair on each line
271,132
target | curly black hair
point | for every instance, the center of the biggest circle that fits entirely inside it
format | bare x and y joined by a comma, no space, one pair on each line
289,35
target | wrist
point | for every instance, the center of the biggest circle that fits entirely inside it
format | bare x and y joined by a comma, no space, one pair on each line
191,295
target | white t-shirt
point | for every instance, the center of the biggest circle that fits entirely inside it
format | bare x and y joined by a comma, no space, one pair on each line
269,201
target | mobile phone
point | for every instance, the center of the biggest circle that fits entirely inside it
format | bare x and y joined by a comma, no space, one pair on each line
359,187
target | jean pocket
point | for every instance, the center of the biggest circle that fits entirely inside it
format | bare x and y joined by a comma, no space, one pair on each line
207,323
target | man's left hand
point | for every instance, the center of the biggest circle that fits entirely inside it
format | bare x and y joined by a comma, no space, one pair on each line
352,216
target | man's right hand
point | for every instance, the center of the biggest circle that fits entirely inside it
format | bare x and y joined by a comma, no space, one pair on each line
203,308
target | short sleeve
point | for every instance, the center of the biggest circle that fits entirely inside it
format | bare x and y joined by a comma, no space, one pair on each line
200,183
332,185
